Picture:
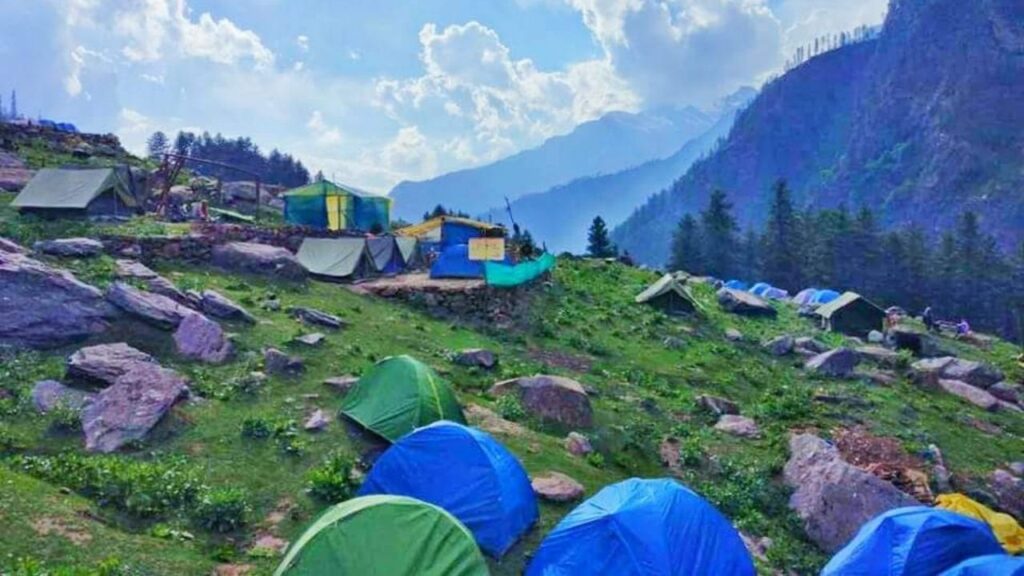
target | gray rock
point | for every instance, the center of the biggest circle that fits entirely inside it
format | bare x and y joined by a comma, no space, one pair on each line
577,444
717,405
70,247
557,487
838,363
1008,491
341,383
317,421
733,335
103,364
806,344
1017,468
219,306
263,259
46,307
164,287
127,268
312,340
14,179
974,373
744,303
738,426
780,345
1007,392
477,357
317,317
553,399
49,394
129,409
277,362
11,247
876,337
673,343
879,355
927,373
919,343
199,338
155,309
976,396
831,497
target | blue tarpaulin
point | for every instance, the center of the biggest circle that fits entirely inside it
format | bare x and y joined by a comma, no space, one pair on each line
643,527
994,565
454,262
759,288
737,285
824,297
455,232
913,541
465,472
805,296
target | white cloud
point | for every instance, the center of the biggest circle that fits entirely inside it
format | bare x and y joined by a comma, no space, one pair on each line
354,55
410,154
153,26
154,78
298,66
324,133
302,41
78,57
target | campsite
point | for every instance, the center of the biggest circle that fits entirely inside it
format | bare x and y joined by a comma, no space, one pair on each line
358,335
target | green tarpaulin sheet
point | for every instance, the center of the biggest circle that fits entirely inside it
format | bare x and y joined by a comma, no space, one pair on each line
505,276
400,394
72,189
334,257
384,536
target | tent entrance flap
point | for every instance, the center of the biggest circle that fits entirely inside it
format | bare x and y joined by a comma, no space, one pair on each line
337,212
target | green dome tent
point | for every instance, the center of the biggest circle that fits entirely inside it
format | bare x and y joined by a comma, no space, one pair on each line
386,536
400,394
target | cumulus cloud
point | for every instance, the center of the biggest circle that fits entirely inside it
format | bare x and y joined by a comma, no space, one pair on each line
302,41
409,153
324,133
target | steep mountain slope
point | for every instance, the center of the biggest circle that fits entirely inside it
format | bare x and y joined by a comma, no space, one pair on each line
560,216
611,143
920,124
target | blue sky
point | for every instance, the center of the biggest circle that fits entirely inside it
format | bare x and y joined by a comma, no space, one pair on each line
373,92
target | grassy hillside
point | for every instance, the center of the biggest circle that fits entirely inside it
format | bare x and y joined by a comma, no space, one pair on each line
64,509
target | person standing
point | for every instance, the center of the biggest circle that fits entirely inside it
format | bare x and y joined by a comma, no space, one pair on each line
928,318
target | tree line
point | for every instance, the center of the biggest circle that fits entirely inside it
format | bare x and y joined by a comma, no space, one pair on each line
963,275
274,168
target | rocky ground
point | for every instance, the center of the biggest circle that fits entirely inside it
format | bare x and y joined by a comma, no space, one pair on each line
185,416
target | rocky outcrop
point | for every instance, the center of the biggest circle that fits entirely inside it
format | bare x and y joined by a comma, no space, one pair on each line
103,364
927,373
810,346
919,343
976,396
199,338
50,394
577,444
717,405
154,282
553,399
11,247
1008,392
879,355
129,409
738,426
780,345
557,487
1008,491
317,317
261,259
834,498
838,363
46,307
974,373
477,357
155,309
70,247
744,303
219,306
277,362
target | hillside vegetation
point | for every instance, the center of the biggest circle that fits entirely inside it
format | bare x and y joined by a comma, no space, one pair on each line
233,465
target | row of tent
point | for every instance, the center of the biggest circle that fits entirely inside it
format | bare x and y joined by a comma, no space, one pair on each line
454,493
353,258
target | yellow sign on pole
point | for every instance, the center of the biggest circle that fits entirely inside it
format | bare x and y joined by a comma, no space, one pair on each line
486,249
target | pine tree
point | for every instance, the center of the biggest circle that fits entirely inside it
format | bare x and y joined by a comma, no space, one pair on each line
157,144
687,253
749,264
781,243
718,229
14,104
598,243
918,279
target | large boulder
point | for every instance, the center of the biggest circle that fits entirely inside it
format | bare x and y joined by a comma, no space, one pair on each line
1008,392
11,246
253,258
553,399
831,497
921,344
129,409
200,338
70,247
557,487
156,309
45,307
736,425
927,372
155,283
277,362
103,364
477,357
974,373
838,363
976,396
50,394
879,355
745,303
14,179
219,306
127,268
810,346
1008,491
780,345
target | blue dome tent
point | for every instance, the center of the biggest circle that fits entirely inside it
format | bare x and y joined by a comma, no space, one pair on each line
737,285
994,565
465,472
824,297
643,527
805,296
913,541
760,288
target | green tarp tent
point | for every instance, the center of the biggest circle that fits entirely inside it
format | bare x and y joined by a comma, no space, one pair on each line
331,206
669,294
384,536
398,395
851,314
93,192
335,258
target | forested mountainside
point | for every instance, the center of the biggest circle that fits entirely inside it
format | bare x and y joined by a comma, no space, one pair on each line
615,141
920,124
611,196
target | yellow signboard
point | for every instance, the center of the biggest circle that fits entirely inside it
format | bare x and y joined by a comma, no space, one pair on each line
486,248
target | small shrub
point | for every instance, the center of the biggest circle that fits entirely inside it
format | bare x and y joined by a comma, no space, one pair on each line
257,427
596,459
510,408
332,482
65,418
222,510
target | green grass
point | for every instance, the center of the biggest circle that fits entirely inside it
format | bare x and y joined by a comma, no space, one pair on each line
645,392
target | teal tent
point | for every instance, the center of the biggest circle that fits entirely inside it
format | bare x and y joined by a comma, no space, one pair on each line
331,206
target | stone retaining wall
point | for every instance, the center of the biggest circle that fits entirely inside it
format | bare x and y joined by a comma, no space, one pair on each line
477,304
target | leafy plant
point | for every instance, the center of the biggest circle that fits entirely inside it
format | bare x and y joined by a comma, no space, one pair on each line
222,510
510,408
332,481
